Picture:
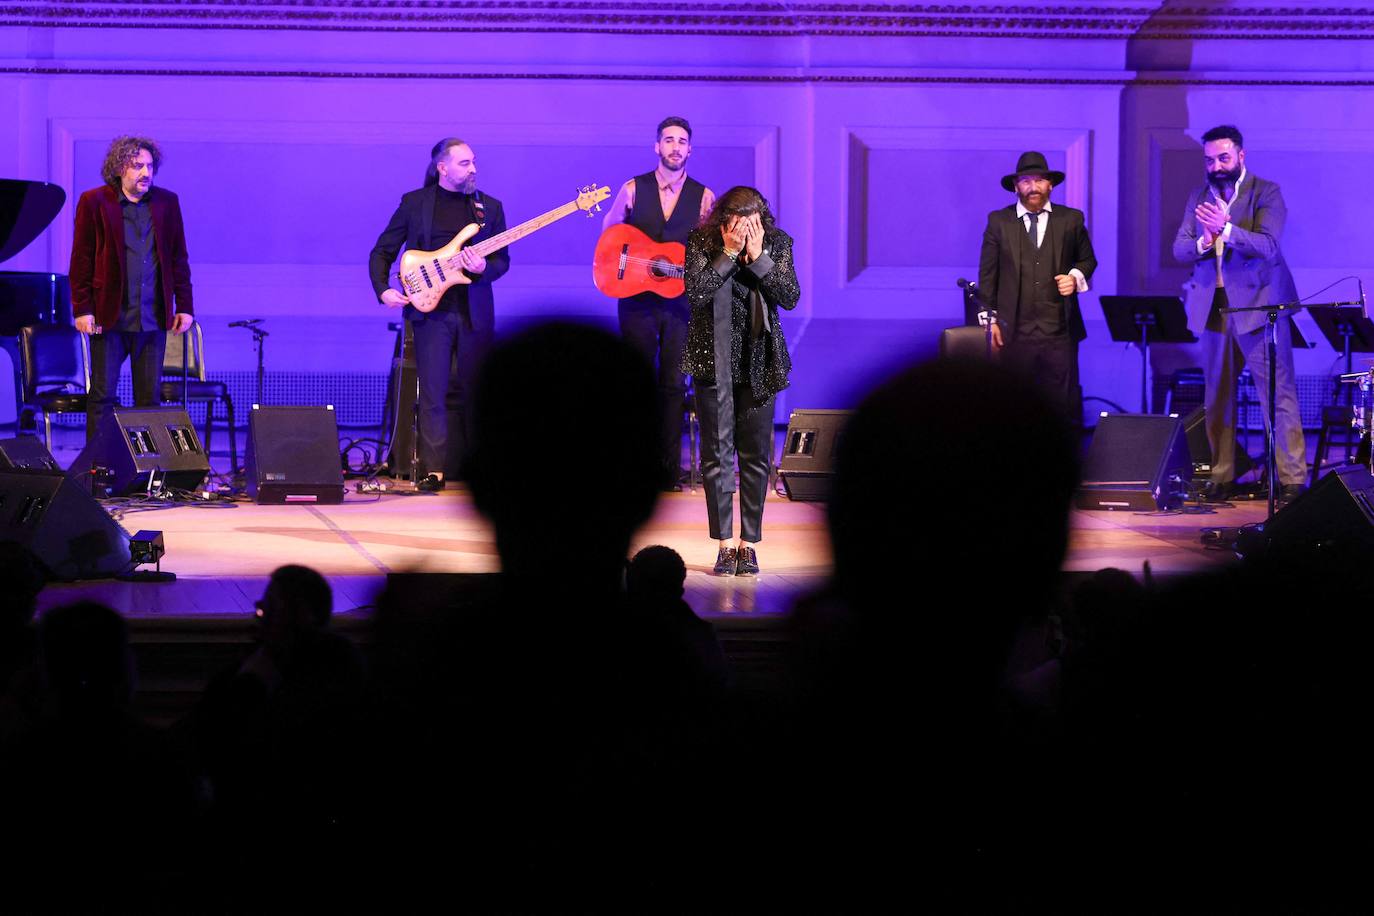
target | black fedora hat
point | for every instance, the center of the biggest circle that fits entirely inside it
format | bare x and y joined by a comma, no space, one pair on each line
1028,164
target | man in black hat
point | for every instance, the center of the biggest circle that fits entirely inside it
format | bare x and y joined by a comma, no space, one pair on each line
1036,259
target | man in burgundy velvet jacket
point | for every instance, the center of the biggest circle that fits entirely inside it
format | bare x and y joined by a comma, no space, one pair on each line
130,278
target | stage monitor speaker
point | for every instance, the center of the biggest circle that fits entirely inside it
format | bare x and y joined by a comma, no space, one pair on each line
293,455
1200,450
26,452
142,448
56,518
1335,517
1135,461
808,453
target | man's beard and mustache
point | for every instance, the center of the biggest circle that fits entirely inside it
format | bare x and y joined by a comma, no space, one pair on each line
671,164
1038,203
1223,178
468,184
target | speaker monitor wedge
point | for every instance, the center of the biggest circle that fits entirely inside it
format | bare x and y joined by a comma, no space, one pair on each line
1135,461
143,447
58,519
1335,517
293,455
807,469
26,452
1200,450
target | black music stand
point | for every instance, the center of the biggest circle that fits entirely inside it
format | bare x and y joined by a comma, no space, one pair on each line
1145,320
1347,330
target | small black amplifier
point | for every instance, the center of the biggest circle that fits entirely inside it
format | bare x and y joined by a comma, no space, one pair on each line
807,468
293,456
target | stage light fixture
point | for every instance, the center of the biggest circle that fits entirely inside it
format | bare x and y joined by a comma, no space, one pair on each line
147,547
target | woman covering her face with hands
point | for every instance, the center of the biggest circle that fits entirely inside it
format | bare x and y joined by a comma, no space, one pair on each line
739,272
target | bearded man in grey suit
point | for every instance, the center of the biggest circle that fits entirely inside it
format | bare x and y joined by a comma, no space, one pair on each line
1246,215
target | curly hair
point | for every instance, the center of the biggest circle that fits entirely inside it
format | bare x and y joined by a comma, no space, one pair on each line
124,150
740,200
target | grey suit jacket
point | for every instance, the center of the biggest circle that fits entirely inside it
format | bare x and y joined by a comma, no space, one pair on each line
1253,268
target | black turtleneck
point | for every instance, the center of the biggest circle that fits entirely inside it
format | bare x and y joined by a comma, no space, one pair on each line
452,211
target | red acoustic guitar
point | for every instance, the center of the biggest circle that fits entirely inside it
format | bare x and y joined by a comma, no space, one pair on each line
628,262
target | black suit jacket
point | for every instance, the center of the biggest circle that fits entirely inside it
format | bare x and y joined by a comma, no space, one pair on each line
411,224
999,268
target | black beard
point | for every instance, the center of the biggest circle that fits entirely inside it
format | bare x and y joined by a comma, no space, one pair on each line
1222,179
668,164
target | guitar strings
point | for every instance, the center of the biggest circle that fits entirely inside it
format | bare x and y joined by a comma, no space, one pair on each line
658,265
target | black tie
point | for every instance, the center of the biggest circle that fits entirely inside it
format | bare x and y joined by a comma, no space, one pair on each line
1031,225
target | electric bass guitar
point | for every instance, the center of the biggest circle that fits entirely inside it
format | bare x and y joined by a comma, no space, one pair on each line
628,262
427,275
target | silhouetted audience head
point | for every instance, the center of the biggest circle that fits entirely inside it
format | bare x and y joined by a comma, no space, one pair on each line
300,594
560,490
657,573
296,602
86,660
953,478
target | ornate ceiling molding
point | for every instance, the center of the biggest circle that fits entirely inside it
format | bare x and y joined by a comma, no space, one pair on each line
833,79
1122,19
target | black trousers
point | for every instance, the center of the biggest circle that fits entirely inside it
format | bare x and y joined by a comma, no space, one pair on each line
1051,361
442,337
748,437
657,328
145,350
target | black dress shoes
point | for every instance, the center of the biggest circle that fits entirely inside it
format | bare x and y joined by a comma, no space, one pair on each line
1290,492
1220,492
747,562
725,562
430,483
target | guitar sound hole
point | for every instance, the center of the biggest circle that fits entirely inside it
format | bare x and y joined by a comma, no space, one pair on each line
657,268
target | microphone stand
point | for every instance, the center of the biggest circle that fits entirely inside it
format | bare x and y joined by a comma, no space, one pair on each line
987,316
258,335
1271,314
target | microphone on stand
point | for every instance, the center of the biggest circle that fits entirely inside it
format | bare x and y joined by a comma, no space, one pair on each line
986,314
251,322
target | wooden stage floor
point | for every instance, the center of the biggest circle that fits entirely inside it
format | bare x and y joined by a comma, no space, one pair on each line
223,555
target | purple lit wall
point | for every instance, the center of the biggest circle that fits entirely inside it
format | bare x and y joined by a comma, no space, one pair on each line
878,133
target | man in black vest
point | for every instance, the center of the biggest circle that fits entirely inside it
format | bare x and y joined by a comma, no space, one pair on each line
462,326
1036,259
666,206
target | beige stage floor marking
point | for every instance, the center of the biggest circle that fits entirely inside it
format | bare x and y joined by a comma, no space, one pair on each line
349,539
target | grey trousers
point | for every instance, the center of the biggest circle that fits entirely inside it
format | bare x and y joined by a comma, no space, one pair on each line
1225,353
747,437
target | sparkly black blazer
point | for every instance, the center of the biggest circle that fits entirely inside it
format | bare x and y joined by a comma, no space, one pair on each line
717,287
